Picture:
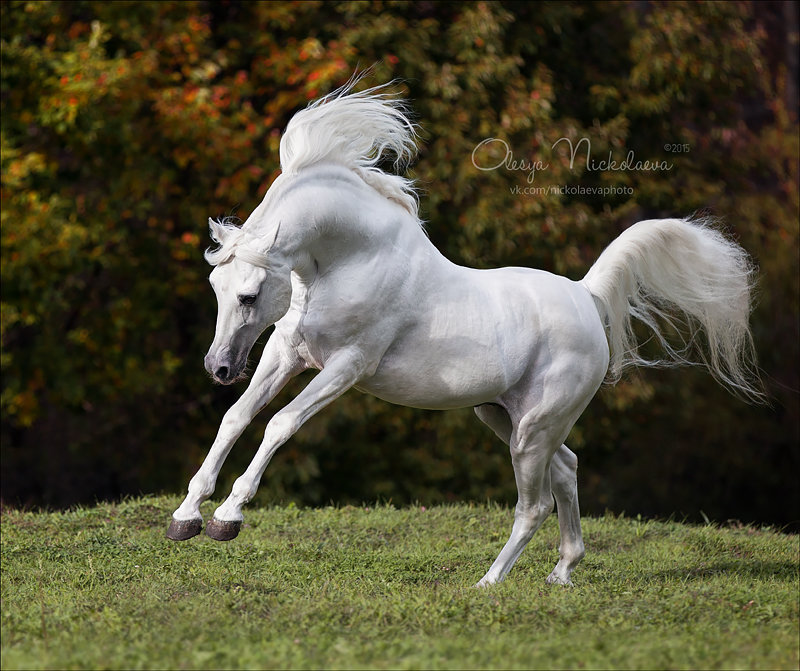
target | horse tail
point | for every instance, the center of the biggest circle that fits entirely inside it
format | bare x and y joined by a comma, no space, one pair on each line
684,278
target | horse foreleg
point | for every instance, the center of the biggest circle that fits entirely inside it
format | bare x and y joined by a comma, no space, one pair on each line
339,374
277,366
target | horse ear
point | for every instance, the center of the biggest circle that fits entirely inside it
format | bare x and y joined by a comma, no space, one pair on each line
216,230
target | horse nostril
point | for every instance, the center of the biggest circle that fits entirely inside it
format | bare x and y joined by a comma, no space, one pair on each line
222,373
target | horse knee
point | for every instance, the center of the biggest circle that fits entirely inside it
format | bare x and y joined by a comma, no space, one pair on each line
244,489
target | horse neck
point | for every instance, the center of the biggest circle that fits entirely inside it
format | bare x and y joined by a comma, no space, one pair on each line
328,224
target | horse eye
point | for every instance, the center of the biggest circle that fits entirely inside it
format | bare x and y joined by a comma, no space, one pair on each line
248,300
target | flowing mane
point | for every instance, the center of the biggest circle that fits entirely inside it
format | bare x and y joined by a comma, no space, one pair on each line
354,130
358,131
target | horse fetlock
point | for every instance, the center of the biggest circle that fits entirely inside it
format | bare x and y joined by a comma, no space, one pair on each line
572,549
243,490
201,486
189,509
572,556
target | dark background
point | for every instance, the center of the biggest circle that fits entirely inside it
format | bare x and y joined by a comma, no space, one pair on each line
125,125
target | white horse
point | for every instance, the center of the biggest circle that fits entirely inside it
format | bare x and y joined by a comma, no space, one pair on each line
336,257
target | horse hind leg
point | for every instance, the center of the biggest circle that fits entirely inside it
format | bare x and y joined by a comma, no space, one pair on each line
561,484
534,504
563,478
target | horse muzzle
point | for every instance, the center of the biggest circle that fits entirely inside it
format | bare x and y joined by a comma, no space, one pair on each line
223,367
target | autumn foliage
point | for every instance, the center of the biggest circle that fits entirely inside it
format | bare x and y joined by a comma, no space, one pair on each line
125,125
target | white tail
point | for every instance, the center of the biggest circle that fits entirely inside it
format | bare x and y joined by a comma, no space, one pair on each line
686,275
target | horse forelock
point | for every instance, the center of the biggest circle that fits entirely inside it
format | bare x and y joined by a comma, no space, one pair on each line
232,241
356,130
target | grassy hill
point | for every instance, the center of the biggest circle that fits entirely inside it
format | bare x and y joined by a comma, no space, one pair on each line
378,587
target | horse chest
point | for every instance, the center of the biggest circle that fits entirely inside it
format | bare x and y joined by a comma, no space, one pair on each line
313,338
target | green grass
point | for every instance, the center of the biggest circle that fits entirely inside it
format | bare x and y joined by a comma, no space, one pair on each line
385,588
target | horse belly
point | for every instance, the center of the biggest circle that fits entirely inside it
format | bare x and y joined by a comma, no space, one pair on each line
433,389
458,372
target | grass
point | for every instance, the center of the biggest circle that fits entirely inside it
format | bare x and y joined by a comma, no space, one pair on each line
378,587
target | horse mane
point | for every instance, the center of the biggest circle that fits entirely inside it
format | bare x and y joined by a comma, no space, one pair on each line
359,131
355,130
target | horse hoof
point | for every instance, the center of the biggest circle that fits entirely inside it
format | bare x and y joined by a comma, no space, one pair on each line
223,531
554,579
183,530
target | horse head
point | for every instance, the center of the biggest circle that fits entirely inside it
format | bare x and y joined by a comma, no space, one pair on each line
253,291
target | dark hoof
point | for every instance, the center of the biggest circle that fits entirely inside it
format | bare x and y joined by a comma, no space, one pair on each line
223,531
183,530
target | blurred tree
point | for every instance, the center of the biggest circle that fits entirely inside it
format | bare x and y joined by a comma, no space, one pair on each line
124,125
